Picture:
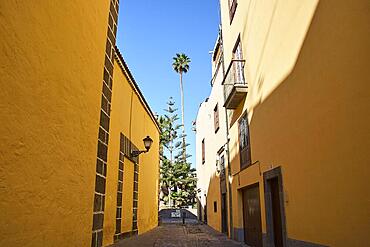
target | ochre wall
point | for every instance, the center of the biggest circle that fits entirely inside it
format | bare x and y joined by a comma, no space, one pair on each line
148,180
127,198
308,108
316,125
214,195
52,55
128,116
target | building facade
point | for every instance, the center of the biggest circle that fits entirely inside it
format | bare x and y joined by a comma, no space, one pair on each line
71,115
211,155
297,100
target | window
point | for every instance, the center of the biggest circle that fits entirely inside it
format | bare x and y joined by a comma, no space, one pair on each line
232,9
216,120
237,51
215,206
238,65
222,165
244,142
217,52
216,61
203,152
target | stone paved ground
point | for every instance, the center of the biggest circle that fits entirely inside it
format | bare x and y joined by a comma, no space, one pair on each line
178,235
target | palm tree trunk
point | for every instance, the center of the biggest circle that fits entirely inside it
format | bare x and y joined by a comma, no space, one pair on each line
183,124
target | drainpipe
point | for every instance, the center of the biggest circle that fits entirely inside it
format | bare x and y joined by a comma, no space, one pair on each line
227,139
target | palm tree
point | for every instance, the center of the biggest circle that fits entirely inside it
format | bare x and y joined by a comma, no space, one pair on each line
181,65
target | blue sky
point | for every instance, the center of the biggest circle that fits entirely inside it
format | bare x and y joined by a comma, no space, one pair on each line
151,32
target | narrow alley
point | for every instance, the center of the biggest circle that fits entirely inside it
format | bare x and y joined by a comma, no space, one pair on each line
225,123
194,234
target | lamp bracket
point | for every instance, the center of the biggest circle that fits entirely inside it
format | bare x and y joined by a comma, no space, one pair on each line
136,153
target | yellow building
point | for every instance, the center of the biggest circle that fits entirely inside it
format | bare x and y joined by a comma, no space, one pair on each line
71,115
133,208
211,151
297,99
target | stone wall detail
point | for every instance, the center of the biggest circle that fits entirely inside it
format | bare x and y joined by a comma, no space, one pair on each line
126,148
103,132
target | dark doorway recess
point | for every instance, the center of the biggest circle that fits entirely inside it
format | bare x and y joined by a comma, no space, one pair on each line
223,213
205,214
252,216
275,212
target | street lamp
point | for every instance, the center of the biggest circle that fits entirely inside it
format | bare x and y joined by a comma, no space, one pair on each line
147,144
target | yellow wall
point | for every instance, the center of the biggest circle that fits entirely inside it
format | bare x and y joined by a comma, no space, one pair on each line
127,198
214,195
130,117
308,101
52,55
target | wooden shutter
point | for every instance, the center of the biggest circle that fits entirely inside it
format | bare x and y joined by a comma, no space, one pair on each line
216,118
203,152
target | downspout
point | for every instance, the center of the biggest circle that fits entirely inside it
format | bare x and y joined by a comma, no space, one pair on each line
231,232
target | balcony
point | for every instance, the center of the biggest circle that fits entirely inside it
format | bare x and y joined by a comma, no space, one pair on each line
235,86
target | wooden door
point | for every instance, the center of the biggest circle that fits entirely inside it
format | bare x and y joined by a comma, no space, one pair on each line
276,212
223,213
252,216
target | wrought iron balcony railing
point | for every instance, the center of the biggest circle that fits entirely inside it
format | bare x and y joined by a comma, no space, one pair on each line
235,85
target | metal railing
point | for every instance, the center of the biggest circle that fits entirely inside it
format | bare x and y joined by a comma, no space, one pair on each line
234,76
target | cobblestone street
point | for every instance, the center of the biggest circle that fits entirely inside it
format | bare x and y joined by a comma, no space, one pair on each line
178,235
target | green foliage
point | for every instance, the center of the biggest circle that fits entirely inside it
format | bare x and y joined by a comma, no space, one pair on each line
181,63
178,179
185,180
169,128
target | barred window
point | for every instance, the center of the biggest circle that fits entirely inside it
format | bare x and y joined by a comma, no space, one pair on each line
244,142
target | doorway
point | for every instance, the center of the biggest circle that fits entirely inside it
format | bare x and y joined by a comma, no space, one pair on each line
252,216
275,213
205,214
223,213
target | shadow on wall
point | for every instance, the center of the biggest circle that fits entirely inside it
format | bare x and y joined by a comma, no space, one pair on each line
210,213
201,211
240,180
315,124
326,93
235,114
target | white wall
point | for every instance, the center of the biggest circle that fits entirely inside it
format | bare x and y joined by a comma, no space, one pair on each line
205,129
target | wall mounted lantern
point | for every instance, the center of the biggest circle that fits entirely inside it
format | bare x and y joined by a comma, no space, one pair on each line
147,144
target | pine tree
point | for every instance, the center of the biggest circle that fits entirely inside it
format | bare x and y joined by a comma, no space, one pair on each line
168,142
178,179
